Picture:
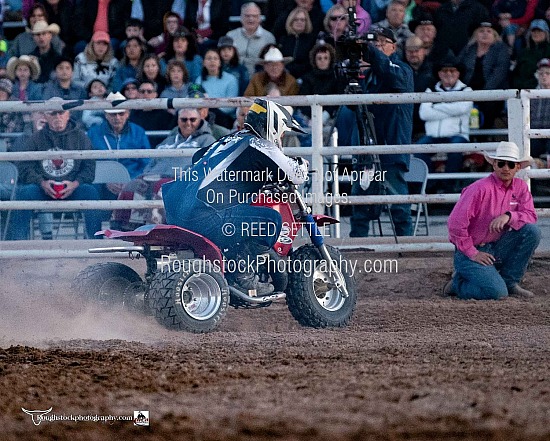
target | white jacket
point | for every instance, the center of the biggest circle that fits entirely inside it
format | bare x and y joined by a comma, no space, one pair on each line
86,71
447,119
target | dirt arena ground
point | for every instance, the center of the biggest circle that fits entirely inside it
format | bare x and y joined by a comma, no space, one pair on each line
412,366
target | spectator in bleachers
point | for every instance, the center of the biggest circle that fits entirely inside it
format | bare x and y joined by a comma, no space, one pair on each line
37,122
134,52
455,22
335,23
96,90
129,88
97,61
540,112
196,91
321,80
61,12
177,78
192,132
275,73
251,37
152,119
422,67
151,12
184,48
24,43
298,40
395,16
134,28
172,23
24,71
314,12
487,62
231,63
97,15
209,20
151,70
537,47
447,122
423,27
513,17
118,133
38,177
10,122
62,85
44,51
218,84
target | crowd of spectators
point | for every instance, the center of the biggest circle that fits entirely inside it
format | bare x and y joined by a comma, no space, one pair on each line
170,49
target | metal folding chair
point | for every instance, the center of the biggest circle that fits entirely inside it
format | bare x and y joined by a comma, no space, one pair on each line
8,184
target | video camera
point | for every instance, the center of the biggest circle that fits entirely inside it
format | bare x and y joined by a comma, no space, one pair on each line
352,47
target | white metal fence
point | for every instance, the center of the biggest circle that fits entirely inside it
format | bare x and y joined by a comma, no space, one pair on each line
519,131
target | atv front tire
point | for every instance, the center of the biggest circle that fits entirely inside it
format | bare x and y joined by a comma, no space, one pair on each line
310,299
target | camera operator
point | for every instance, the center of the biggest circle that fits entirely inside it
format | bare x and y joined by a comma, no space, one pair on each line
384,73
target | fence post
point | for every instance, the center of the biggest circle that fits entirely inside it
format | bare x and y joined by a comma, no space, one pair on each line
316,158
518,121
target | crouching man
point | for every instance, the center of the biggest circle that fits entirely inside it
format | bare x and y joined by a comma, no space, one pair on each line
493,229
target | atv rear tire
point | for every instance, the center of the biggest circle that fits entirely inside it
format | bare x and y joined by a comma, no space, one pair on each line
108,283
193,300
309,300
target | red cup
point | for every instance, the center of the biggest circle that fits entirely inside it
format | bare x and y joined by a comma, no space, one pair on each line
58,187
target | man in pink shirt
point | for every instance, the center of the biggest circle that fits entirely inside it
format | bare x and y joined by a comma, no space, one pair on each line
493,229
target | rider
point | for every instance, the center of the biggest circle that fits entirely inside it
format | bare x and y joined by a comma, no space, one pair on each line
213,197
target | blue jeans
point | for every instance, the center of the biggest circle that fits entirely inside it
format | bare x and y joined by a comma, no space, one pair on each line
454,160
512,253
19,227
232,226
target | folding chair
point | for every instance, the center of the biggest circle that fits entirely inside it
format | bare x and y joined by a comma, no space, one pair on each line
8,183
418,174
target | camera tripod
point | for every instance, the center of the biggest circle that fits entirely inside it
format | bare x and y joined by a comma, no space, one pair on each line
361,163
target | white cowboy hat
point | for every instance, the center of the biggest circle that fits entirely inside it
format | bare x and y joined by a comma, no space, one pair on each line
115,97
42,26
508,151
29,60
274,55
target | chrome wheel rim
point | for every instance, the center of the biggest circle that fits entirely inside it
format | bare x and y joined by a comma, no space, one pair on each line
329,298
201,296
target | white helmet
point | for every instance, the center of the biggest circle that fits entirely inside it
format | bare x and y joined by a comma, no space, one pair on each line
270,120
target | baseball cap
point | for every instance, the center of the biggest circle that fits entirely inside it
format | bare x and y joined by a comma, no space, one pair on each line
539,24
225,41
386,32
115,97
545,62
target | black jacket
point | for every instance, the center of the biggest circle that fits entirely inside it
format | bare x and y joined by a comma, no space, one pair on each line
297,47
454,27
219,17
72,138
319,82
86,12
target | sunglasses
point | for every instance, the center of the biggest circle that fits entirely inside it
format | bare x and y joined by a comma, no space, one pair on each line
511,164
191,120
337,17
148,91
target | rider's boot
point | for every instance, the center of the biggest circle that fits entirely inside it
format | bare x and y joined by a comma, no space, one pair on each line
248,281
250,284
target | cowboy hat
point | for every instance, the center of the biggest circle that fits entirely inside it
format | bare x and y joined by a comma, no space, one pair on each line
115,98
42,26
29,60
508,151
274,55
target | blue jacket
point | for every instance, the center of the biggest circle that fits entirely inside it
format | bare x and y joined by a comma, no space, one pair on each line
392,122
132,137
